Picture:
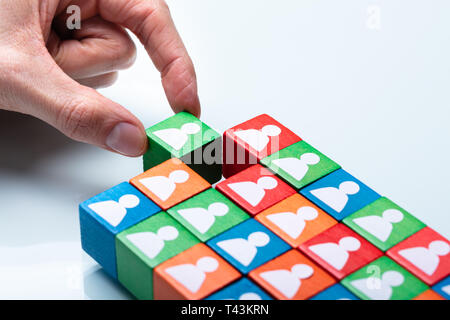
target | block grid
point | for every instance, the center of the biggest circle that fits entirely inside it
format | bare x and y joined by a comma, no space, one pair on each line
287,223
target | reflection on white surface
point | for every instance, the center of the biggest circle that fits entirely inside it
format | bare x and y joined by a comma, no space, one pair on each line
54,271
99,286
365,82
32,272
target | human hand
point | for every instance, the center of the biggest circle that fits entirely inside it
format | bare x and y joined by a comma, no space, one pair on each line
50,72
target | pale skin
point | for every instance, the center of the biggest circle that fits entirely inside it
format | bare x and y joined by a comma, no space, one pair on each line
51,73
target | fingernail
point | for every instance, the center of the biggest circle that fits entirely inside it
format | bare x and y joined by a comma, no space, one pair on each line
126,139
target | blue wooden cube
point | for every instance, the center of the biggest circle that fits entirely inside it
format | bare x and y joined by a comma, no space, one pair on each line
443,288
335,292
339,194
105,215
248,245
243,289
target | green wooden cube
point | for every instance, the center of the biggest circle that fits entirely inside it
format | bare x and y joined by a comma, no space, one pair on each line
185,137
383,279
208,214
300,164
144,246
384,223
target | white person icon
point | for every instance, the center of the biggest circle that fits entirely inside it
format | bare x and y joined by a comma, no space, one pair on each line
150,243
115,211
203,219
250,296
252,192
288,282
336,198
258,139
379,289
380,227
297,167
291,223
426,259
177,138
192,276
163,187
446,289
245,250
336,254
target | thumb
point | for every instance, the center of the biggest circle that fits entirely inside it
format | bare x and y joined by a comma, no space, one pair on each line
79,112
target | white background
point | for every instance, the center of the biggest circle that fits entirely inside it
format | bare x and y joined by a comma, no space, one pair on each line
375,97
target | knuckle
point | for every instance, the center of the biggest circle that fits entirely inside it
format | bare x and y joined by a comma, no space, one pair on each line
77,120
186,89
107,80
129,52
101,82
138,11
156,5
110,79
154,16
163,5
122,53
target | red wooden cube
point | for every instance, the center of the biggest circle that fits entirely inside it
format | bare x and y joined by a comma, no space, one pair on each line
426,254
249,142
340,251
255,189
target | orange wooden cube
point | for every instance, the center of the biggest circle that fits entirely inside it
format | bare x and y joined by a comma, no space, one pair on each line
292,276
429,295
170,183
296,220
192,275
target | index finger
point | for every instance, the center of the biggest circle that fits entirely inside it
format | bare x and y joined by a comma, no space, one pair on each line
151,22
